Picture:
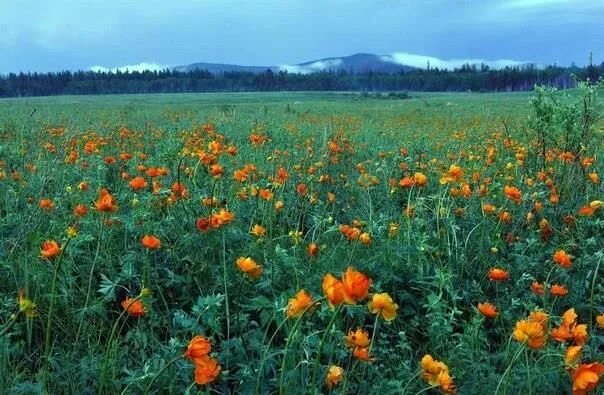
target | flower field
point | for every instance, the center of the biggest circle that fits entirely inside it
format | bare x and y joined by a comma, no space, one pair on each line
294,244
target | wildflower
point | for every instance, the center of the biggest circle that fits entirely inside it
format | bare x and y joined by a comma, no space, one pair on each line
453,174
594,177
138,183
80,210
357,338
538,289
46,204
361,353
151,242
203,224
265,194
562,258
206,370
406,182
258,231
134,307
569,330
334,376
572,356
488,310
436,373
365,238
558,290
50,249
587,377
383,305
26,306
105,202
333,289
299,304
530,332
356,285
198,347
72,232
600,321
221,218
248,266
496,274
312,249
420,179
513,193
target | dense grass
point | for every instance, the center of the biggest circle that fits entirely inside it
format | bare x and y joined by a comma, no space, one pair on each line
345,169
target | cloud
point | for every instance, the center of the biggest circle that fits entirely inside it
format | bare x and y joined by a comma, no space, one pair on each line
307,68
421,61
131,67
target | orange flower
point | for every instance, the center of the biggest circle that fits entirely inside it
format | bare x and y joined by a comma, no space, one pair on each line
203,224
365,238
563,259
496,274
50,249
248,266
357,338
80,210
383,305
151,242
420,179
572,356
312,249
587,377
538,289
436,373
569,330
206,370
488,310
600,321
356,285
105,203
334,376
488,208
198,347
265,194
221,218
333,289
513,193
558,290
361,353
455,173
530,332
299,304
138,183
46,204
406,182
134,307
258,230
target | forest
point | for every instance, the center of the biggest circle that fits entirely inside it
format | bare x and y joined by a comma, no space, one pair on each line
467,78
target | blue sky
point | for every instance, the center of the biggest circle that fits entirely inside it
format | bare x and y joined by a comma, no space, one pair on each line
45,35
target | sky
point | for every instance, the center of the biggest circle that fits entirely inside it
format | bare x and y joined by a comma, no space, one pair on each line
53,35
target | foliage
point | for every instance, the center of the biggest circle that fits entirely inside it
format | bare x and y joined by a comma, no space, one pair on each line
332,182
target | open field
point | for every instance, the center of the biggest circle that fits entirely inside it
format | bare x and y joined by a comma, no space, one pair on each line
301,243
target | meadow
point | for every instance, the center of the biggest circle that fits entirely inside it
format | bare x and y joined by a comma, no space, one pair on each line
300,243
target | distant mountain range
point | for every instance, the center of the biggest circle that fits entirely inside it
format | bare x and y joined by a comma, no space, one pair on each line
357,63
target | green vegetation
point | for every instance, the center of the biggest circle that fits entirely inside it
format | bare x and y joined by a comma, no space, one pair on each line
301,243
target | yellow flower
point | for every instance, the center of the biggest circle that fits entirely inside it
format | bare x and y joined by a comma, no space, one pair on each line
26,306
383,305
248,266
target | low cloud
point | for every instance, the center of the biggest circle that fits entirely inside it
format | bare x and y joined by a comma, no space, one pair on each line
311,67
421,61
143,66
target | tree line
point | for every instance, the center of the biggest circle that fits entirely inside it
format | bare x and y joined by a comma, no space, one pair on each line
467,78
